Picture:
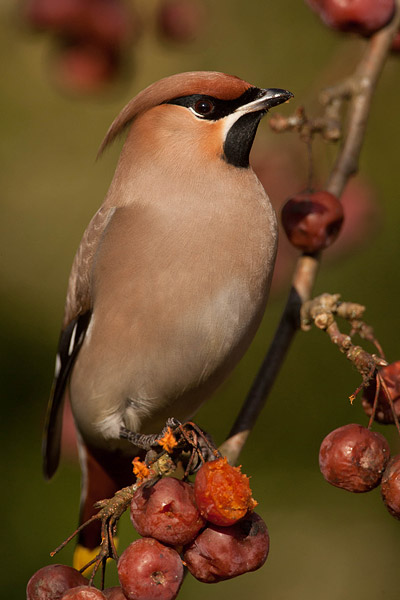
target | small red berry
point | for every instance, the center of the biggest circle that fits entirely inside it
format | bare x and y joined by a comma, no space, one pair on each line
50,582
108,22
353,458
359,16
391,486
80,66
181,20
59,16
148,570
222,492
167,512
312,220
396,43
220,553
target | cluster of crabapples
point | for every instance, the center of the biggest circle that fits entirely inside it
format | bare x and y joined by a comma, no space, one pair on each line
209,527
93,39
357,459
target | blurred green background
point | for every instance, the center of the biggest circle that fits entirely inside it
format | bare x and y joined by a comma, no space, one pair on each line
325,543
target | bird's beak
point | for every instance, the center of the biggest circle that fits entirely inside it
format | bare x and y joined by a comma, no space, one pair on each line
266,100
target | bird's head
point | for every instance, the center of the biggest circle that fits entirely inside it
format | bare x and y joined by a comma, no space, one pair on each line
212,111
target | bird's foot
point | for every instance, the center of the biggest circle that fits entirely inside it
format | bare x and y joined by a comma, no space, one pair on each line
148,441
177,439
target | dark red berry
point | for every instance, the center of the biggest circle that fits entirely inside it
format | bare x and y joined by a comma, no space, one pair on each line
50,582
84,67
384,413
224,552
396,43
59,16
222,492
353,458
359,16
180,20
108,22
312,220
390,486
83,593
148,570
167,511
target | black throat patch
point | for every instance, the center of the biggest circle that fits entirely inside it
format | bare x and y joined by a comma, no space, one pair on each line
240,139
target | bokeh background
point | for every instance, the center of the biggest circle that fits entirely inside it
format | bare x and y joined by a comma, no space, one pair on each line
325,543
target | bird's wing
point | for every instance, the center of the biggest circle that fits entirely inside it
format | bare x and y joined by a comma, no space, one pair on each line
76,321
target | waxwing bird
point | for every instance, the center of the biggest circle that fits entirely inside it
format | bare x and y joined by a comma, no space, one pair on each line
171,278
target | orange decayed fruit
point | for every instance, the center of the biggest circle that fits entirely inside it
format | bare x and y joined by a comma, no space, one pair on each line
222,492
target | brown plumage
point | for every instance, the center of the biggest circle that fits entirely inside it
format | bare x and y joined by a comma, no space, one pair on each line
172,275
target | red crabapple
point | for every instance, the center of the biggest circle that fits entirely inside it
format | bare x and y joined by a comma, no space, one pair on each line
50,582
81,66
396,43
56,16
110,23
312,220
220,553
222,492
167,511
107,22
180,20
359,16
353,458
148,570
390,486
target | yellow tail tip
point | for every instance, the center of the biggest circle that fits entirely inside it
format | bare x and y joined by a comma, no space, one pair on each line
82,556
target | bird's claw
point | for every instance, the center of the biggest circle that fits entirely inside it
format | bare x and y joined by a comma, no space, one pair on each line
187,437
148,441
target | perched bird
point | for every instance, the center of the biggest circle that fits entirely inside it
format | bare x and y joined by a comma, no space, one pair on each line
171,278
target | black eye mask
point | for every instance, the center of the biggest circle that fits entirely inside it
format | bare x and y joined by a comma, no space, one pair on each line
208,107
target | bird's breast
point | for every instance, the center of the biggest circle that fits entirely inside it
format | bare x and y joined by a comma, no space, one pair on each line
178,292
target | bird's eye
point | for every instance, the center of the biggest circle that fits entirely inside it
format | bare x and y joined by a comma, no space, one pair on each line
204,107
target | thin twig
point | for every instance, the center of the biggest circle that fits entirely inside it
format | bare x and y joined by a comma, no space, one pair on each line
366,79
375,404
389,398
364,82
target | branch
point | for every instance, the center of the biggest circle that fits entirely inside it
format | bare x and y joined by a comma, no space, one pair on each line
359,90
364,82
322,310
